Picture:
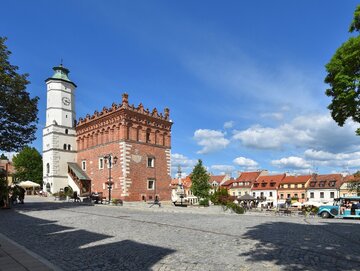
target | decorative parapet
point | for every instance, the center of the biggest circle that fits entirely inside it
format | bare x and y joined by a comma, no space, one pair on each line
125,106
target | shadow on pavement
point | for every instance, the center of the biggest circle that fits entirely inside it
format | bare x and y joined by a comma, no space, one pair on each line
325,246
74,249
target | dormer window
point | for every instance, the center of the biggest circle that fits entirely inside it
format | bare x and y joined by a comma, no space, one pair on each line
263,184
332,183
312,184
322,184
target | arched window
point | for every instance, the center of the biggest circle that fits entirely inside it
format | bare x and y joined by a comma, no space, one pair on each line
64,146
47,168
69,147
66,131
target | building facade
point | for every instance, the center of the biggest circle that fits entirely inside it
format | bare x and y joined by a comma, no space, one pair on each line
59,136
265,188
137,140
293,188
322,189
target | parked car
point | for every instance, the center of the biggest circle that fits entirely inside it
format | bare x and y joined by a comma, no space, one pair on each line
343,207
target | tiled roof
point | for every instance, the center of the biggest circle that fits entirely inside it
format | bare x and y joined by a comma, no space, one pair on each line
270,182
249,176
185,181
329,181
216,178
228,182
296,179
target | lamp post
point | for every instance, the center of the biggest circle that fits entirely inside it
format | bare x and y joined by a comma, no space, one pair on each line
111,161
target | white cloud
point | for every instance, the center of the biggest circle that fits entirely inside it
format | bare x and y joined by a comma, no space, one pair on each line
184,162
210,140
274,115
228,124
311,131
323,158
246,163
223,168
291,162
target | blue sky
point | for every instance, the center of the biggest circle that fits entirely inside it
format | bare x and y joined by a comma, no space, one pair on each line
243,79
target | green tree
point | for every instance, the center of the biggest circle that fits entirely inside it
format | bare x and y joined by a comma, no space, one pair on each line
3,157
18,116
28,165
200,181
344,77
355,184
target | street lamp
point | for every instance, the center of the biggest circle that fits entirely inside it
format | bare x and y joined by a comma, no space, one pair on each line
111,161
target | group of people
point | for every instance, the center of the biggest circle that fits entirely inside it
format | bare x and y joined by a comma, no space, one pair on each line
348,205
17,194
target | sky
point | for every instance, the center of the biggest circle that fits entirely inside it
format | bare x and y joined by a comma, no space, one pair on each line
244,80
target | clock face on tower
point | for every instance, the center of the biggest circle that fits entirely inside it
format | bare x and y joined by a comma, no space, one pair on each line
66,101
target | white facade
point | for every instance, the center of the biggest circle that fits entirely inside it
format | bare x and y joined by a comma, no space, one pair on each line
322,196
59,135
270,195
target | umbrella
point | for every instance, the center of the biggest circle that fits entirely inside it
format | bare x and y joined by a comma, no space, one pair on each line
297,204
313,203
27,184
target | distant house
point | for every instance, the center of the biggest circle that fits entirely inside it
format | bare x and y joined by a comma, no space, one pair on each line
265,188
242,185
183,186
345,188
293,187
324,188
216,181
7,169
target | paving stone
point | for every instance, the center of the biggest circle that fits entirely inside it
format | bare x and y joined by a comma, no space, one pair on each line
135,237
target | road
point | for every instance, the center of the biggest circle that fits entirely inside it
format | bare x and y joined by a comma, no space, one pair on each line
135,237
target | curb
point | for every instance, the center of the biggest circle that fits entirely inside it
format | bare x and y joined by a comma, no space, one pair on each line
36,257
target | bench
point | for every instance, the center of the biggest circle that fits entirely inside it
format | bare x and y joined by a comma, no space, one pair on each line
180,204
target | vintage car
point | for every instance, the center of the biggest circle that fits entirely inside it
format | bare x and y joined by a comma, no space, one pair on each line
339,209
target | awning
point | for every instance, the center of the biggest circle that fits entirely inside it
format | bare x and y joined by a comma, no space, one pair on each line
80,174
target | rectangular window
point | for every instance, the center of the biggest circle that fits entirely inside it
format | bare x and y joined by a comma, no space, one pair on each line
233,193
150,162
281,196
101,163
332,195
321,195
83,165
288,196
147,137
295,195
302,195
151,184
254,194
311,195
239,193
270,194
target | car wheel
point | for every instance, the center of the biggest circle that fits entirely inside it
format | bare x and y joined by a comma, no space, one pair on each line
325,215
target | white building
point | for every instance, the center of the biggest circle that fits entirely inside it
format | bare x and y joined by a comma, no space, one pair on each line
265,188
59,137
322,189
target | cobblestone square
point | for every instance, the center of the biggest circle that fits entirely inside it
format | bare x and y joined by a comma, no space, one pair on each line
136,237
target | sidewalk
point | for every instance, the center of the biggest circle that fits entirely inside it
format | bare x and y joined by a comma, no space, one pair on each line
14,257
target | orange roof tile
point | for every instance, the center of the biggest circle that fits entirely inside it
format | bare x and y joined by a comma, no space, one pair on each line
269,182
295,179
216,178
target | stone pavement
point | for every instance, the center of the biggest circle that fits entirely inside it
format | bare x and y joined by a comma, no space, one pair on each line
13,257
136,237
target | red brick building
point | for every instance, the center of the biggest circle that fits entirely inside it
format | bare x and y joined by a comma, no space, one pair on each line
140,139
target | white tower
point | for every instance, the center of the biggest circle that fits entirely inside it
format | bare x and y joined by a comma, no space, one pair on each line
59,136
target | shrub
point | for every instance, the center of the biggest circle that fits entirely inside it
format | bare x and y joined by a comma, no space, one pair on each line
234,207
204,202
